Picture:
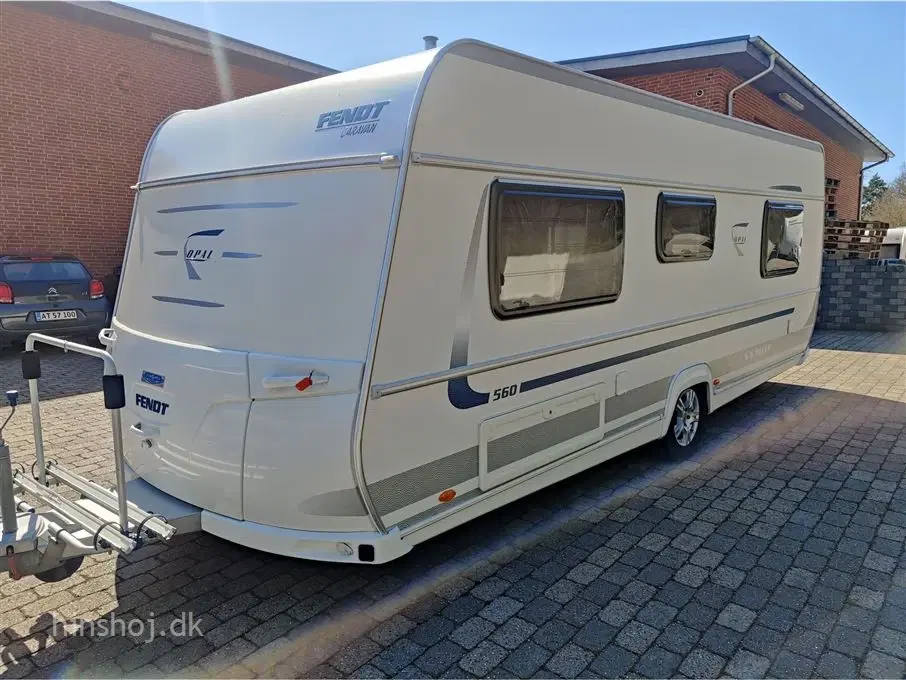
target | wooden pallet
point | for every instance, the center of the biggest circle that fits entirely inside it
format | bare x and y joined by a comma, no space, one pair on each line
848,238
845,231
851,254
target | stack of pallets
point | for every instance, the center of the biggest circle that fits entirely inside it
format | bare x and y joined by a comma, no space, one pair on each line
830,198
851,239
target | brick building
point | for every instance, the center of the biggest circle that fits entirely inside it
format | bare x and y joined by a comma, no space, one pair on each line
82,87
706,73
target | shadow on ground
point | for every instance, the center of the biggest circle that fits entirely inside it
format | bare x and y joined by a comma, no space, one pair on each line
285,616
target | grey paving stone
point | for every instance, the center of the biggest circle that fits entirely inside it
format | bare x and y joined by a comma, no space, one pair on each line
678,638
578,612
700,663
657,614
636,636
584,573
472,632
746,664
397,656
763,641
832,664
525,660
462,608
737,618
817,618
805,642
675,594
595,635
618,613
889,641
859,618
658,663
439,657
879,665
696,615
539,610
848,641
637,593
613,662
513,633
570,661
800,578
600,592
720,640
483,658
691,575
431,631
790,665
554,634
751,597
560,592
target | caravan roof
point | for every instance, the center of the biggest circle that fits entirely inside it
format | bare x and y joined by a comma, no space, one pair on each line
285,128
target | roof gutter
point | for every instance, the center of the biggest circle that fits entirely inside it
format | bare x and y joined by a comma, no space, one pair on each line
748,82
862,183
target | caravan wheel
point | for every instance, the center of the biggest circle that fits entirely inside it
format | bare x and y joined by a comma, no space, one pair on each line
684,432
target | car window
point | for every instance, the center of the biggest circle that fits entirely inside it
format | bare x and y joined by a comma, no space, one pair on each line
44,271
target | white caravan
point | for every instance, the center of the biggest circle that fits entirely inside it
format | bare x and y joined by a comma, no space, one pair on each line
362,310
893,247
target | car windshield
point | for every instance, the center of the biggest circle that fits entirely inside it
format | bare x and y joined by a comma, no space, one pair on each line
44,271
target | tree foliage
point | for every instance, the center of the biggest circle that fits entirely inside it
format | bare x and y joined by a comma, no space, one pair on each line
890,206
872,191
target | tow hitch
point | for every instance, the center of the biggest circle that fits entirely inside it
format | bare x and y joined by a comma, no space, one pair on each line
52,541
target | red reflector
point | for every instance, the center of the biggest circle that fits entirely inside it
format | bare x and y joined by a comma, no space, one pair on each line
447,496
304,384
6,294
95,289
42,259
715,381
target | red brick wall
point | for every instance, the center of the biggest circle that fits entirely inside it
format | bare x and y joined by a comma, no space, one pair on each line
750,104
77,106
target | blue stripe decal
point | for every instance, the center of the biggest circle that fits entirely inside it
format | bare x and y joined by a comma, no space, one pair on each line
227,206
462,396
185,301
238,255
167,253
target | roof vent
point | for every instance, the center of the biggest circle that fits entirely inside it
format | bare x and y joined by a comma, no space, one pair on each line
430,42
791,101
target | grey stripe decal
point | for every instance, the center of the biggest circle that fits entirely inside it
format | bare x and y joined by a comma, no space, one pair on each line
342,503
186,301
636,399
413,485
617,431
227,206
424,514
739,360
239,255
167,253
531,440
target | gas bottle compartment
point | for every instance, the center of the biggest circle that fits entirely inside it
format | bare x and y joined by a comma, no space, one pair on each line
512,444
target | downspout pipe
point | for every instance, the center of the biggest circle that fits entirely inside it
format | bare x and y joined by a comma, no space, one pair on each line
862,183
748,82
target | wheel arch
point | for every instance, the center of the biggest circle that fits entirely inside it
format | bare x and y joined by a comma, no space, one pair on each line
697,375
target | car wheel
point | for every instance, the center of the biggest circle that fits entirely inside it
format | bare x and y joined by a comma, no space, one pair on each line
684,431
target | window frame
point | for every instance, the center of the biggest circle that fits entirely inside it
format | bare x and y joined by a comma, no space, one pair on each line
762,260
501,188
665,196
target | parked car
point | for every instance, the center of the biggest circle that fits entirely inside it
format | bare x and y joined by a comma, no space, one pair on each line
53,294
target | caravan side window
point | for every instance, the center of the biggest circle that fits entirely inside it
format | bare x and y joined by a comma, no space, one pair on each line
781,238
553,247
685,227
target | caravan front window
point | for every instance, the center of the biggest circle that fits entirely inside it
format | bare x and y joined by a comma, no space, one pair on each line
554,247
781,238
685,227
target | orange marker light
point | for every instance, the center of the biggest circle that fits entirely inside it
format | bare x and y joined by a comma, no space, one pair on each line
304,384
446,496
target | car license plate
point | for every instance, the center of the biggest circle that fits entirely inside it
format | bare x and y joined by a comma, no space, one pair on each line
56,315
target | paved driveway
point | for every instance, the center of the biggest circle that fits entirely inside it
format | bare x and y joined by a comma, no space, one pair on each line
778,550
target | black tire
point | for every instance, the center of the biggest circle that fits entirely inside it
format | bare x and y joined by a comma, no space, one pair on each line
684,431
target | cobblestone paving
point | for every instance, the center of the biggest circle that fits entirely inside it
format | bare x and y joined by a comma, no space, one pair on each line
778,550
